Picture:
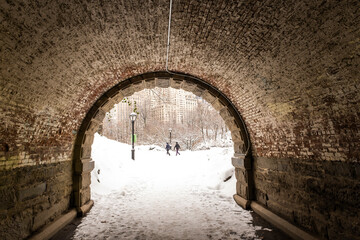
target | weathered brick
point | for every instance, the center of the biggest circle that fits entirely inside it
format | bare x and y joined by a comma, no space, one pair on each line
291,68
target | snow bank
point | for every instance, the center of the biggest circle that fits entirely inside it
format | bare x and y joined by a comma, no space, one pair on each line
115,170
160,197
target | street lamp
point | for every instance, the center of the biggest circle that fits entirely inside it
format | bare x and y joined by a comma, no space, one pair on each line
170,134
132,119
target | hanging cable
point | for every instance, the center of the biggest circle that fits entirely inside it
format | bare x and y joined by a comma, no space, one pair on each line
168,39
202,81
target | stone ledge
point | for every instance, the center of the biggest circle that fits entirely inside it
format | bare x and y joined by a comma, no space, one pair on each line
55,226
44,217
283,225
242,202
85,208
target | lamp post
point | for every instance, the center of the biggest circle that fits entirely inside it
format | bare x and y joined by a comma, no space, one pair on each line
170,134
132,119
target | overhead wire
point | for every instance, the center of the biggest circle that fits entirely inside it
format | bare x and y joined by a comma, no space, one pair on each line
202,81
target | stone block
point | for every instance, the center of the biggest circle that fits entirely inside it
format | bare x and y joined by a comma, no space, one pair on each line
261,196
31,192
242,190
198,91
233,127
150,83
128,90
7,197
57,190
241,176
162,82
112,92
209,97
82,181
239,147
88,140
44,217
92,127
188,86
99,116
175,83
81,197
225,114
108,105
117,98
86,165
218,105
241,161
262,162
17,226
85,152
139,85
236,136
85,195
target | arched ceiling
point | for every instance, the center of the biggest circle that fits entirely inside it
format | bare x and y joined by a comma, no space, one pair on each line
290,67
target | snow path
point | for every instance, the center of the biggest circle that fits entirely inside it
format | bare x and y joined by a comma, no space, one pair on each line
163,197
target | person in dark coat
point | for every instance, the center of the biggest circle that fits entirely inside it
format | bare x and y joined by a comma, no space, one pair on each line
177,147
167,147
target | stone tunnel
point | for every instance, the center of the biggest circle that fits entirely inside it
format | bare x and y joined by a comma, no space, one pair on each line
284,75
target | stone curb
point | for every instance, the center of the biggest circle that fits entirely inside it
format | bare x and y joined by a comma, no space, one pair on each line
288,228
55,226
85,208
245,204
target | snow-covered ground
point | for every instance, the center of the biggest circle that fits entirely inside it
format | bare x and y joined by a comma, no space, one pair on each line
163,197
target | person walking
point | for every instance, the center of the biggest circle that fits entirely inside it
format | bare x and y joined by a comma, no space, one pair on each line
167,147
177,147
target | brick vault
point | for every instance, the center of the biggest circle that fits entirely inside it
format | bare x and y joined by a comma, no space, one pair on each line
284,74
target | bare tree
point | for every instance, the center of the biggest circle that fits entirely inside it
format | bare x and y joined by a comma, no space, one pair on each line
200,125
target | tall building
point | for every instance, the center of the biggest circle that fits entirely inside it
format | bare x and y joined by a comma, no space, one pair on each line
173,106
166,105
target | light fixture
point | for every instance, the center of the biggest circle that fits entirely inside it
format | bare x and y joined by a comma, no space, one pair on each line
133,116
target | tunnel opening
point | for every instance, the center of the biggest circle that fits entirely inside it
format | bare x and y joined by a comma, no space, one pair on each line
166,117
83,163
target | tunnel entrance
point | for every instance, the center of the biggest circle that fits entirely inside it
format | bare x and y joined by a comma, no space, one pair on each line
83,164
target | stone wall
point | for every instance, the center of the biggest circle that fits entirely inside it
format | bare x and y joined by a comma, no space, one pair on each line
34,136
32,196
315,195
291,68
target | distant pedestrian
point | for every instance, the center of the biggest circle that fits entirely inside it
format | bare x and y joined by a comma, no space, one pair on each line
167,147
177,147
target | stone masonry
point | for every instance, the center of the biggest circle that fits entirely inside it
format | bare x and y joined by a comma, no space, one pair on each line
32,197
290,68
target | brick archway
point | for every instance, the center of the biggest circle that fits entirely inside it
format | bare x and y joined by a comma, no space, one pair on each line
83,164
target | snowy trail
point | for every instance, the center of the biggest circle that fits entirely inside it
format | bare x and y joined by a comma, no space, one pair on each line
162,197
